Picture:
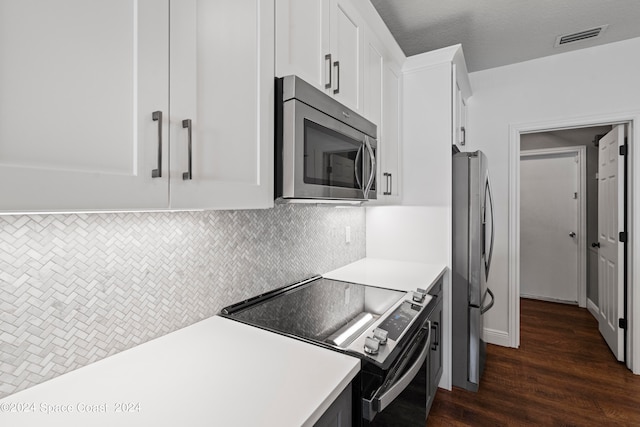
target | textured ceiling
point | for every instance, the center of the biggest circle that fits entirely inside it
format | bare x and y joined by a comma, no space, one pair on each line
500,32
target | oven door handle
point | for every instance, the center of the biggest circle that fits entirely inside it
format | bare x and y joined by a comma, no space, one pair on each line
379,403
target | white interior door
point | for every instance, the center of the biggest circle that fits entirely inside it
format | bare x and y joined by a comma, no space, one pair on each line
611,251
549,220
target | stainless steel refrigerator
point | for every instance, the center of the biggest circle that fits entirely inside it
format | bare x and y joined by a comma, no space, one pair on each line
473,235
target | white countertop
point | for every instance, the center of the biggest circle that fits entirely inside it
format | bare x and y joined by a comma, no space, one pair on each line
401,275
217,372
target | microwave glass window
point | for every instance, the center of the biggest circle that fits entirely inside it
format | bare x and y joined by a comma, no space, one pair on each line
330,157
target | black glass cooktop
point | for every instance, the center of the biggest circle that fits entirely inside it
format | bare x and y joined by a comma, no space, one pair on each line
315,310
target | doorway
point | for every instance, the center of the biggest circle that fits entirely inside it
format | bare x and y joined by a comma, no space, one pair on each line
632,330
567,141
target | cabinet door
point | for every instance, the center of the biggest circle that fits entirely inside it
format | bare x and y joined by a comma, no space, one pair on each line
339,413
435,368
381,106
372,103
459,115
389,185
222,79
462,129
302,40
79,82
347,50
374,64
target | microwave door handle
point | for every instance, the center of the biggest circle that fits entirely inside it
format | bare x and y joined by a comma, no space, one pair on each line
372,158
356,168
380,403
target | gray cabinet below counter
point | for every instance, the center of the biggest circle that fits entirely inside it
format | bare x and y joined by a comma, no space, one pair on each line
339,413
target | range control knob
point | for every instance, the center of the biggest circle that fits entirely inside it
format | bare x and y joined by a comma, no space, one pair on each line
371,345
380,335
419,295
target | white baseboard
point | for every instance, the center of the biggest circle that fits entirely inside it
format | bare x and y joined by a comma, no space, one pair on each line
593,309
492,336
539,298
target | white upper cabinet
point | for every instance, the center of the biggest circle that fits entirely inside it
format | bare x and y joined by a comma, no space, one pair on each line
347,54
381,106
389,188
373,79
343,48
322,42
80,82
435,85
459,112
302,40
222,60
86,122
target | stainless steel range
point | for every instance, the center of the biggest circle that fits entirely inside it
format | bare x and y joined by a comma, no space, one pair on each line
387,329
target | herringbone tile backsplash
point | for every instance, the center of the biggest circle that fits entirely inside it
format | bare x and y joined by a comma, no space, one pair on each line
77,288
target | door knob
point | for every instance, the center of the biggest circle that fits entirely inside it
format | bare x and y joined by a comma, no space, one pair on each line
595,245
572,234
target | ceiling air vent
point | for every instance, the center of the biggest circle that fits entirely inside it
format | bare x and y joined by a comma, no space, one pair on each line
591,33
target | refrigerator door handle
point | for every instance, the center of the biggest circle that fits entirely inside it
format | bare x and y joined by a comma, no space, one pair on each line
484,309
488,197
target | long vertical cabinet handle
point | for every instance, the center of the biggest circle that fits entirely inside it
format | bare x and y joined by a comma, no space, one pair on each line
337,89
189,173
389,183
157,117
327,57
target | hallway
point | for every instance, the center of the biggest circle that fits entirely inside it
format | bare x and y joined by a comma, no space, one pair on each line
562,374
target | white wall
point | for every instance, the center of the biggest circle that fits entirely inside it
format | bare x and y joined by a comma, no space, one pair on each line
589,82
409,233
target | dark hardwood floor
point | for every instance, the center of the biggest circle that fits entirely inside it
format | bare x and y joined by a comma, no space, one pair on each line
563,374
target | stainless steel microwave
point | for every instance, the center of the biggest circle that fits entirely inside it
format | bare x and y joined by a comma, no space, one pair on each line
325,152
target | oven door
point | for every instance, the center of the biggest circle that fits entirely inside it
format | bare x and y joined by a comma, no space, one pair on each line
324,158
402,397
